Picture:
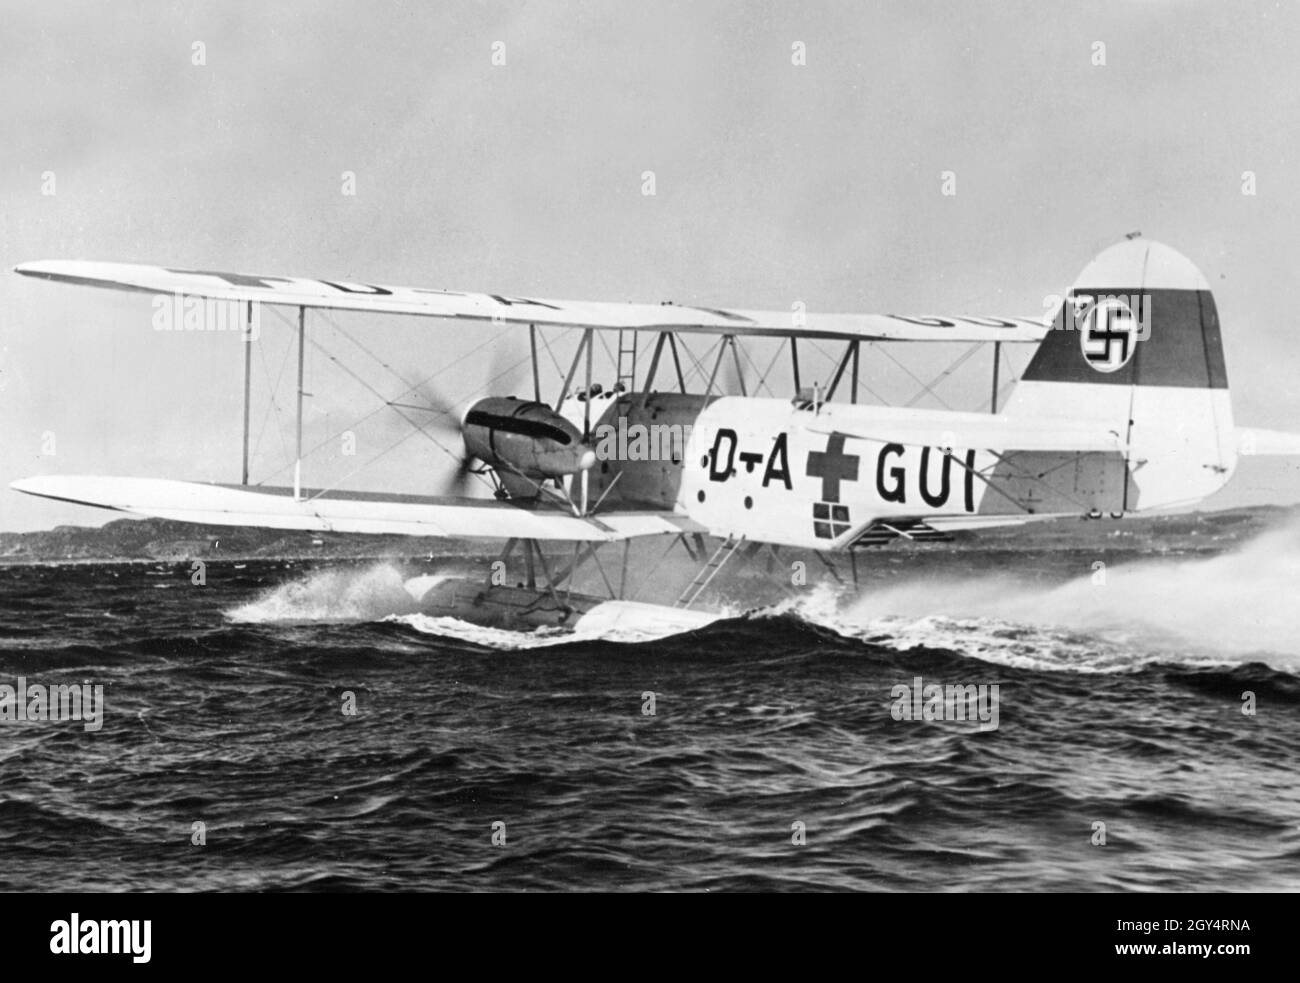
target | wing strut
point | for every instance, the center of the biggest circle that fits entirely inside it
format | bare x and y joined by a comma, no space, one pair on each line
586,403
850,356
654,368
537,382
586,428
677,362
740,372
853,396
573,369
997,358
717,362
248,359
297,464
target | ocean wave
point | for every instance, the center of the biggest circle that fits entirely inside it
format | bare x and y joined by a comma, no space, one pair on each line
1201,612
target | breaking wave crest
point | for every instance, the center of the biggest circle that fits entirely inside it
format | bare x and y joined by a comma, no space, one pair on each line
340,594
1222,610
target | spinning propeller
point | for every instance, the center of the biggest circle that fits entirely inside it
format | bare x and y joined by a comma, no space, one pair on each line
527,443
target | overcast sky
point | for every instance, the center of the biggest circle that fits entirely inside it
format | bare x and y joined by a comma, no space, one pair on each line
774,182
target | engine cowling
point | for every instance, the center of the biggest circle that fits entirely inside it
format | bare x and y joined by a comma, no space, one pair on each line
526,437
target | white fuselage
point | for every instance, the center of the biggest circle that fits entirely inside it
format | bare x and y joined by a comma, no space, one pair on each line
791,474
767,470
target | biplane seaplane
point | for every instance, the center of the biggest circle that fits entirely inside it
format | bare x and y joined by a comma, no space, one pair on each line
1122,408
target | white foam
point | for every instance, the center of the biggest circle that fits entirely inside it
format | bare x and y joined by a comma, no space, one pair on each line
628,631
1221,610
345,594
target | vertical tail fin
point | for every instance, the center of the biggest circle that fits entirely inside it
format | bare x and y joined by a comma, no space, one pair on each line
1136,348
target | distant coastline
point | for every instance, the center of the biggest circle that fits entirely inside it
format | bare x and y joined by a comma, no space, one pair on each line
162,540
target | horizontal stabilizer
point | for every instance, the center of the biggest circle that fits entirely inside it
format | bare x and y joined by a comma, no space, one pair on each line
1251,440
936,428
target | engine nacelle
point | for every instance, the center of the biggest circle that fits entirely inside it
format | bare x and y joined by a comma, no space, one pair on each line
525,437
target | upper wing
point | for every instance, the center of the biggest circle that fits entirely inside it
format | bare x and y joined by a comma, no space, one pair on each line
407,515
343,295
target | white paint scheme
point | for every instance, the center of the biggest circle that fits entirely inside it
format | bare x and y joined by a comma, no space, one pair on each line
782,515
1141,263
187,501
963,523
1182,445
419,586
653,619
507,309
605,617
944,428
1181,440
1177,453
1072,404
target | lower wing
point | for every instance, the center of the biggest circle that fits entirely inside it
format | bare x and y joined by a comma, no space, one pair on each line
354,512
